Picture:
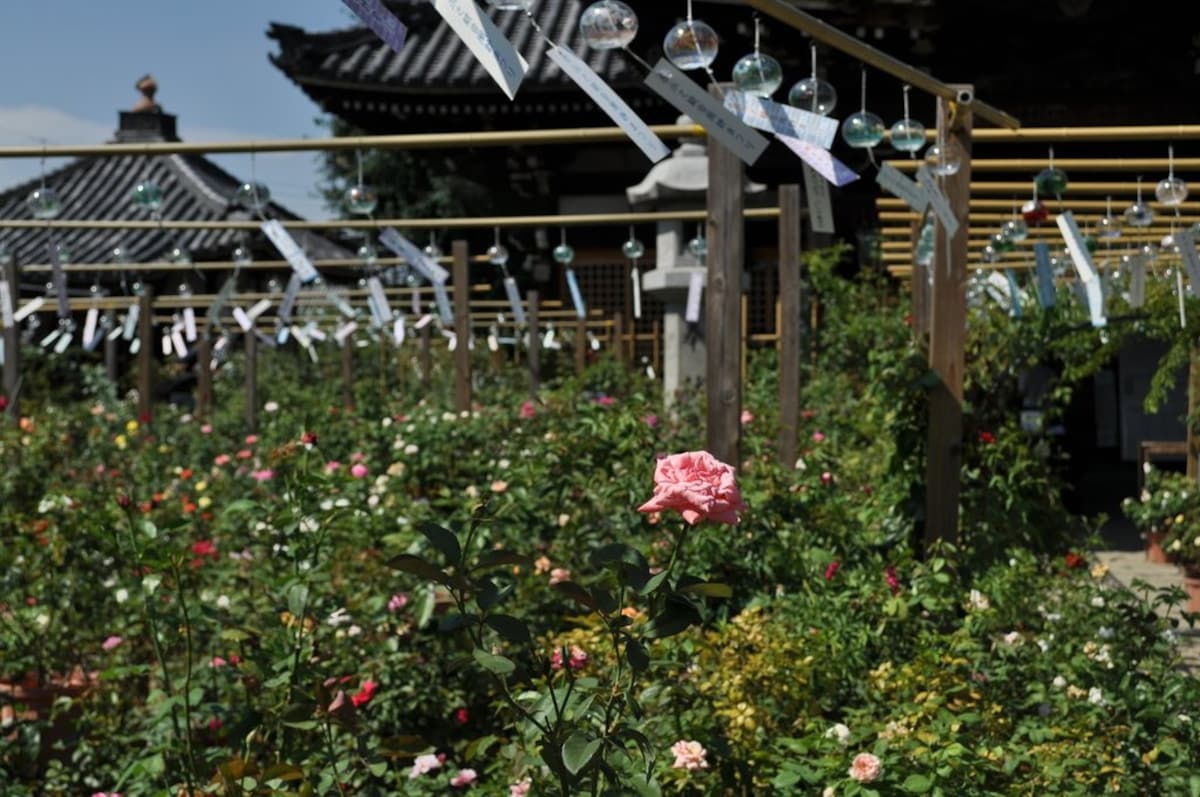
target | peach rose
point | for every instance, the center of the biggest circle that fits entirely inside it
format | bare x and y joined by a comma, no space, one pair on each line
866,768
697,485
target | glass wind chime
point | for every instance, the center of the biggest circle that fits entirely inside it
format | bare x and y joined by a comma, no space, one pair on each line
45,204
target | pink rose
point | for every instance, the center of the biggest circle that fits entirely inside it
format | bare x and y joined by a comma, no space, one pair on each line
359,471
747,417
650,420
520,788
221,459
698,485
463,779
689,755
206,429
826,478
332,466
866,768
111,642
251,439
818,437
527,411
606,401
264,475
559,575
423,764
397,602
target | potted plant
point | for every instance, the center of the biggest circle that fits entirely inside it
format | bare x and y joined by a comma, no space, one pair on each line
1167,501
1182,547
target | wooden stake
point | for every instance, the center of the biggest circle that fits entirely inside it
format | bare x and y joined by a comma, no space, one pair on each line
462,328
146,352
110,352
12,344
581,343
204,383
348,373
1193,440
723,305
425,357
251,380
618,339
535,345
790,322
948,324
920,294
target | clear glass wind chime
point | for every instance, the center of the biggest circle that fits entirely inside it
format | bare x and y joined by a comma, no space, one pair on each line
45,204
757,74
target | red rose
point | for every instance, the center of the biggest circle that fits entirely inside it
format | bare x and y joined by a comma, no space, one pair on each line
462,716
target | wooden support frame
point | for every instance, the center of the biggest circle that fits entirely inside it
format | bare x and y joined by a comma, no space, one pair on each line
12,344
145,382
948,323
535,343
462,327
790,321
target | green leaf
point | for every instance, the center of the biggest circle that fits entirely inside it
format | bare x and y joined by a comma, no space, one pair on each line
578,594
709,590
653,583
443,540
297,600
499,557
637,656
283,772
917,784
673,620
493,663
577,751
644,787
419,567
235,635
509,627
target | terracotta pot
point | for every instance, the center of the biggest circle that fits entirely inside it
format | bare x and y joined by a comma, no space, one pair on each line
1191,585
29,700
1154,551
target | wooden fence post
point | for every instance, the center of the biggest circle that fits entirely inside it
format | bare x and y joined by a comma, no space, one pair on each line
145,381
251,339
618,341
110,351
948,323
1193,440
790,322
581,343
462,328
348,373
535,345
920,291
204,383
425,357
12,343
723,302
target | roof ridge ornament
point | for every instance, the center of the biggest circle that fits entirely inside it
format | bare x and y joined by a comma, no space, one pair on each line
148,86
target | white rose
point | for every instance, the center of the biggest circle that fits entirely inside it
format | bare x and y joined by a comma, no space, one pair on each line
1059,682
840,733
1098,602
122,595
1095,696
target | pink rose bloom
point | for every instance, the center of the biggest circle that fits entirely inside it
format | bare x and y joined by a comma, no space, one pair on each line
251,439
826,477
422,764
206,429
520,788
463,779
747,417
559,575
866,768
650,420
359,471
332,466
107,794
111,642
527,411
606,401
818,437
264,475
397,602
577,661
689,755
357,456
697,485
221,459
217,662
245,453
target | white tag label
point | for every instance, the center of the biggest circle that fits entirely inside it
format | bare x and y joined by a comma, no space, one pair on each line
1075,245
610,102
1096,302
1045,275
289,298
690,98
291,251
31,307
244,321
939,203
695,292
344,331
63,342
189,324
166,344
383,22
423,321
135,346
443,303
576,294
375,287
315,332
131,321
1186,241
514,300
820,206
6,305
115,332
636,276
1137,281
260,307
398,330
89,325
821,160
429,268
783,120
180,346
912,193
493,344
486,43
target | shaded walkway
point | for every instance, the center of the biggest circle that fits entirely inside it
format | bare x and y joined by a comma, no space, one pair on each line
1128,566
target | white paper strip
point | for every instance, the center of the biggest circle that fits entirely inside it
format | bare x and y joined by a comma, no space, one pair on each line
301,336
423,321
30,307
59,278
89,325
282,240
180,346
783,120
6,305
691,99
131,322
53,336
443,303
227,290
938,201
425,265
135,346
695,292
636,276
576,294
244,321
375,287
315,332
1186,241
166,343
1045,275
820,206
493,344
486,43
1137,281
1095,297
380,20
398,330
1179,293
1076,246
610,102
115,332
189,324
819,159
344,331
514,300
63,342
289,298
260,307
912,193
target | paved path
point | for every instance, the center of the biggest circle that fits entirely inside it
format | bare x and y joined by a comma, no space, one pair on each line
1125,566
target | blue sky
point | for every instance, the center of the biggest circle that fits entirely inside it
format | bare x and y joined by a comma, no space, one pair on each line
70,65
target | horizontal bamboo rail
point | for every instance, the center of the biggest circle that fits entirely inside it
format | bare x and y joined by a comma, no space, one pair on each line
1075,205
1022,190
1034,165
218,265
1163,219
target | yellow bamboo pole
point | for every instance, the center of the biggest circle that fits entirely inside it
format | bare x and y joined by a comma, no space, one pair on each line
1034,165
1021,190
1078,134
1074,205
1163,220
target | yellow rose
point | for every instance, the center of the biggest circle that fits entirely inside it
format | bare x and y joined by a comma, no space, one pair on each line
131,427
120,441
201,486
205,502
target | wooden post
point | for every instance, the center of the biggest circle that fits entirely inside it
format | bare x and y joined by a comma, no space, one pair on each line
948,322
348,373
462,328
145,381
251,380
204,383
656,345
425,357
535,345
723,302
618,342
12,344
1193,440
791,319
920,291
745,335
110,351
581,343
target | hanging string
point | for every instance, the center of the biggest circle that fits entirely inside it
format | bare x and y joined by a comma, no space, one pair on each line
757,33
689,12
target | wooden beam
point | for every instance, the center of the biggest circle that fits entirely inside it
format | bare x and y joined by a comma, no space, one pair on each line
251,343
791,322
723,302
920,295
535,344
145,383
948,325
462,328
12,343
